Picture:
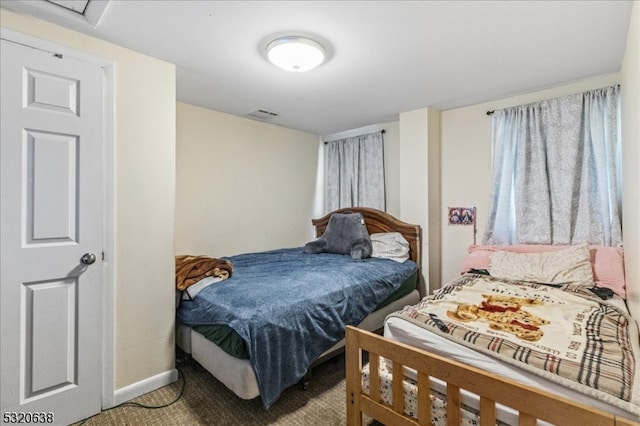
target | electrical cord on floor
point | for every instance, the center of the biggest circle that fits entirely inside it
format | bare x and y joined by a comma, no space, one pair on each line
154,407
139,405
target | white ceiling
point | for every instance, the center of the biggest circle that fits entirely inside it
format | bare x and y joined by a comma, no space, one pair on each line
386,57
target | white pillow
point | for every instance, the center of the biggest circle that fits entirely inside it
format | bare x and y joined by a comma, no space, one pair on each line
572,264
390,245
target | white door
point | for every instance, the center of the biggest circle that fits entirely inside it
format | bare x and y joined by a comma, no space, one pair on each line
51,225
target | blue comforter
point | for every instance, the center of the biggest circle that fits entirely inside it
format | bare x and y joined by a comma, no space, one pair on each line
289,307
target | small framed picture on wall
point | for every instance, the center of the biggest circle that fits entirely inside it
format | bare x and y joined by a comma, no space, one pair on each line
462,215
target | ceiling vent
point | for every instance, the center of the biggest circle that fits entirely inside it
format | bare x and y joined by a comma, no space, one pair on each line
262,114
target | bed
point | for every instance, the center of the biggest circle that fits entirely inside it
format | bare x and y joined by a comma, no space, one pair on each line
470,367
262,367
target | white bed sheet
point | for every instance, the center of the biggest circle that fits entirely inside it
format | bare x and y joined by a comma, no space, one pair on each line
406,332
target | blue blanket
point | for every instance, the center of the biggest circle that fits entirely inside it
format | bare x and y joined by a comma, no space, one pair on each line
289,307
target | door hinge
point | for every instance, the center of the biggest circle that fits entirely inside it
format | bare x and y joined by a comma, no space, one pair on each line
103,256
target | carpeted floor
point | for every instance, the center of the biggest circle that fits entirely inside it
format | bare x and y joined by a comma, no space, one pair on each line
205,401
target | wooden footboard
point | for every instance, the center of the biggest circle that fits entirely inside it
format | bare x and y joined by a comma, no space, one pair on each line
531,403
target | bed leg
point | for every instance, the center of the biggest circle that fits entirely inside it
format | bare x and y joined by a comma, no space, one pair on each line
303,384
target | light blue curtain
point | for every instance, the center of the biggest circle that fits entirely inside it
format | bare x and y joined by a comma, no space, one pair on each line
355,172
556,171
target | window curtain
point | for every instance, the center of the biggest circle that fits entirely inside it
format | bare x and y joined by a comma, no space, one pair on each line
355,172
556,171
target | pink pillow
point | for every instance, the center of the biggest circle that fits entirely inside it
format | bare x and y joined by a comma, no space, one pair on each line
607,262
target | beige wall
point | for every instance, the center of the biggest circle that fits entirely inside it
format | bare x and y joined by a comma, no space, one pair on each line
420,186
392,167
144,144
630,89
242,185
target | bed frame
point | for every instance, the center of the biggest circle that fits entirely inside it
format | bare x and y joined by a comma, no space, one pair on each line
238,375
531,403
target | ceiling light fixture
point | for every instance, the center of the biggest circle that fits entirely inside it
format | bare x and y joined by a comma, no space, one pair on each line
295,53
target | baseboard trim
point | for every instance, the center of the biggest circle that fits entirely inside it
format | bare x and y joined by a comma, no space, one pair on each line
134,390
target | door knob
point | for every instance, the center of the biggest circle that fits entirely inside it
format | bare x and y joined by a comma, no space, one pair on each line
88,258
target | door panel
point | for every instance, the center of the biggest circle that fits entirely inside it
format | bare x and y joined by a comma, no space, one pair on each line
51,187
51,195
51,92
49,340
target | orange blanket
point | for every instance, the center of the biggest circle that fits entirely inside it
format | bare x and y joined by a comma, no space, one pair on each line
191,269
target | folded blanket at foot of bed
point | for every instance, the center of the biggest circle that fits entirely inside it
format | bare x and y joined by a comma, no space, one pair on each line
191,269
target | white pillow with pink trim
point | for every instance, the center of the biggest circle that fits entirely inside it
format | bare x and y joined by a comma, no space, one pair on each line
569,265
607,263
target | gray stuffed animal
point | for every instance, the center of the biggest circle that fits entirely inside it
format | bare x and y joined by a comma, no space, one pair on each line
346,233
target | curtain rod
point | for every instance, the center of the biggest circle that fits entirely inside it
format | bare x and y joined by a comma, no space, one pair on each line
614,85
383,131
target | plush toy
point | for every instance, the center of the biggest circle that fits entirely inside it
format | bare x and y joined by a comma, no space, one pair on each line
346,233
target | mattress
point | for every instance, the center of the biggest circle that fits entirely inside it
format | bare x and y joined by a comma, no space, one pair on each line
469,404
403,331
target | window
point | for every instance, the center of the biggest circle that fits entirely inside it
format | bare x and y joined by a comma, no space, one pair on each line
355,172
557,171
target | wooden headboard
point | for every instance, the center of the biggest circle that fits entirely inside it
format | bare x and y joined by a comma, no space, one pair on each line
378,221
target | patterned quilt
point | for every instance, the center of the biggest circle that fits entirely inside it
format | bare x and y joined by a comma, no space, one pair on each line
564,334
